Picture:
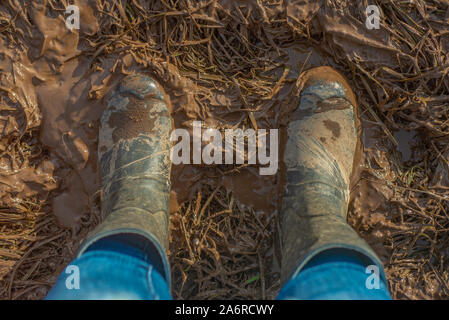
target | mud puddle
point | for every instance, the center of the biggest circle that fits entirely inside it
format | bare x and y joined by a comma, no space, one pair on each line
231,65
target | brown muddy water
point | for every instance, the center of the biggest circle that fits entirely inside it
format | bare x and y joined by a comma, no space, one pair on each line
53,84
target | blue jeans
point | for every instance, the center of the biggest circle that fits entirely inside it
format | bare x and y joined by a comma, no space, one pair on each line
110,269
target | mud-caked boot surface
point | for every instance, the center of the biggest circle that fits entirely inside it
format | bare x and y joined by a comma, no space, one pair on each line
322,146
134,150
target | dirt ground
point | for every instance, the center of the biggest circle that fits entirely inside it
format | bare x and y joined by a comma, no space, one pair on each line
229,64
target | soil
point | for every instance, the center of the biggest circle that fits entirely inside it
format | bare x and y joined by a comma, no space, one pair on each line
230,64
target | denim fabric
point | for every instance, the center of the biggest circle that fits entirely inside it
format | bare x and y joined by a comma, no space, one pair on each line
113,270
336,274
110,270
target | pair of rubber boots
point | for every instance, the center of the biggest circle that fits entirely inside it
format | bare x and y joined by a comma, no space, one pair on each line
322,145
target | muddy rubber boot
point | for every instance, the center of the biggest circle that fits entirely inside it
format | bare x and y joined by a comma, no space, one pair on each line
322,146
133,151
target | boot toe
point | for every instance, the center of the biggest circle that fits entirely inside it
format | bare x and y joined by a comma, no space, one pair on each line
136,107
326,82
140,86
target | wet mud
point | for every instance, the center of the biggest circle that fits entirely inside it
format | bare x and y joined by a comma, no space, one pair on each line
229,64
